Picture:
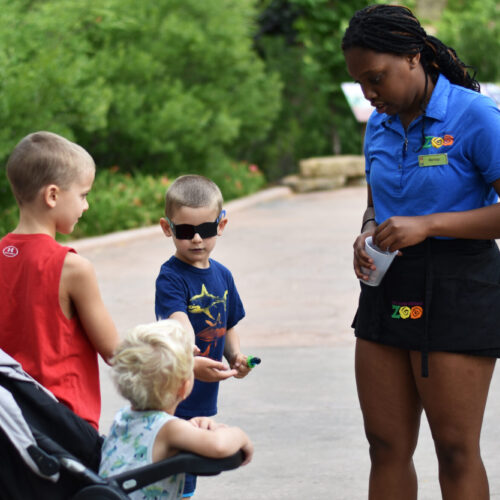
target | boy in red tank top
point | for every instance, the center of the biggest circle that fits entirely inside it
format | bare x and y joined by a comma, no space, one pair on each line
53,320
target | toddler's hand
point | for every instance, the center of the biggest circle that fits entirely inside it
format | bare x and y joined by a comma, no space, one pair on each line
206,423
248,451
203,423
239,363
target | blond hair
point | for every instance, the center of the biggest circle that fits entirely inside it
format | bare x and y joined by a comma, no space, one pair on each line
152,363
193,191
44,158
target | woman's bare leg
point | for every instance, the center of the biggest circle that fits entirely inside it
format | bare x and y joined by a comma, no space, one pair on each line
391,411
454,398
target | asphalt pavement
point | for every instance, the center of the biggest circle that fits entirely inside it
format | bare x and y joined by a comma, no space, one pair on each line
291,257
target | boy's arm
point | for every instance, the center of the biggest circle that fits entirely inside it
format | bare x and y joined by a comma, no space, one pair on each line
178,434
205,369
183,319
79,284
235,358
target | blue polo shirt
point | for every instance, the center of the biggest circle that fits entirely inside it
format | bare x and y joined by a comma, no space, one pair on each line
454,168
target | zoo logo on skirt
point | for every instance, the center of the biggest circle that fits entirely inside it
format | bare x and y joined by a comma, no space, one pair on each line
407,310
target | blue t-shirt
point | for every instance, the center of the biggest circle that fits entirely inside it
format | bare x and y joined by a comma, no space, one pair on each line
462,146
211,301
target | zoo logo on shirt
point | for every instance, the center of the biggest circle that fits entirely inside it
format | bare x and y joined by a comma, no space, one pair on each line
437,142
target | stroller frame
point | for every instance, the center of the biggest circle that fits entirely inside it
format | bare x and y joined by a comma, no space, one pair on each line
50,452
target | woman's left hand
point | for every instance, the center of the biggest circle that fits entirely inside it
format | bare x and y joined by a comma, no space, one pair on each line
399,232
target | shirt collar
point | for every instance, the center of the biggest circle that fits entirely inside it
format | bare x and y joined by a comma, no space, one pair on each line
438,103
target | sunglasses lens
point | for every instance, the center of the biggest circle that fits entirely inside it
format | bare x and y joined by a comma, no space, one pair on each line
207,230
187,231
184,231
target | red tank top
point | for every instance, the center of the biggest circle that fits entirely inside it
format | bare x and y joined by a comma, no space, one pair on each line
53,349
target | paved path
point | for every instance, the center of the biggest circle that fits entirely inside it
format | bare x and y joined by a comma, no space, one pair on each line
291,259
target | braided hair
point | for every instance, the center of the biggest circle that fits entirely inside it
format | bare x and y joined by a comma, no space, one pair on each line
394,29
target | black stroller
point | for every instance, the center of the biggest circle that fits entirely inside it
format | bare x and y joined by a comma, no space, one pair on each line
48,452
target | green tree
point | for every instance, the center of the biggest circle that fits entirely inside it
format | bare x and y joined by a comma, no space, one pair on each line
187,86
48,78
162,85
301,39
321,29
472,28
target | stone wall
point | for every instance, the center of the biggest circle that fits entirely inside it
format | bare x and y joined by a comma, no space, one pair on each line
327,172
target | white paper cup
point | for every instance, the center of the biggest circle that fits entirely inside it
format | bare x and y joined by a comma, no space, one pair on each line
381,259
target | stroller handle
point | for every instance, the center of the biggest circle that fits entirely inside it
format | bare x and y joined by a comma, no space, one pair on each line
183,462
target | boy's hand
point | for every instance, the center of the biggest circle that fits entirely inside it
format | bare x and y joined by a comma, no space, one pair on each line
205,423
239,363
209,370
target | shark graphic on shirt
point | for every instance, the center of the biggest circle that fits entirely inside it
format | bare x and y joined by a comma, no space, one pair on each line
206,303
203,302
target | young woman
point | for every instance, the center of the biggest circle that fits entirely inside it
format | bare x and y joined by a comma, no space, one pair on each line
428,336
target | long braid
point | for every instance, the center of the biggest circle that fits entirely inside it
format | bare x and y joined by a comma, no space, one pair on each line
394,29
440,58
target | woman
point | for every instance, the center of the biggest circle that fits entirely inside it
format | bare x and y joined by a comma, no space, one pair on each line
429,335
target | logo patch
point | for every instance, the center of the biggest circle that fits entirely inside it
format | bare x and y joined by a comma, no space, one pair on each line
10,251
437,142
407,310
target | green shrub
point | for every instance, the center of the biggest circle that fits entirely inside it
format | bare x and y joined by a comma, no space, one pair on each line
237,179
121,200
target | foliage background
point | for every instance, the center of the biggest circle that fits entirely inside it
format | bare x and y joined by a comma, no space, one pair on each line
238,90
472,27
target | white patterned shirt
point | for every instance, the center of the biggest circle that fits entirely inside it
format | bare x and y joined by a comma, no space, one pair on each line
130,445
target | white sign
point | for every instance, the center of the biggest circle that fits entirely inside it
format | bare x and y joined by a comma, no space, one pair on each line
361,108
491,90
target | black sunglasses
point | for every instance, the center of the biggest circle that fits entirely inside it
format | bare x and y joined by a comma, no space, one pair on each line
187,231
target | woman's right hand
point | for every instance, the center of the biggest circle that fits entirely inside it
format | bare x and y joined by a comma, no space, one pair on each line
361,258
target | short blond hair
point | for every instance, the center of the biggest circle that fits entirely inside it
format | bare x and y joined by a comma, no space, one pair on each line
152,363
44,158
193,191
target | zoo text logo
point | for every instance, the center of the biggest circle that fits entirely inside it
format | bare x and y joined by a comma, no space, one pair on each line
407,311
437,142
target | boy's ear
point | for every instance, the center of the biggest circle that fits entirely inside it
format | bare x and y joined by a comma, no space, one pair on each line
222,225
167,230
50,194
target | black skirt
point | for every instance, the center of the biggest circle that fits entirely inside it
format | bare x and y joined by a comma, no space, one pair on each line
440,295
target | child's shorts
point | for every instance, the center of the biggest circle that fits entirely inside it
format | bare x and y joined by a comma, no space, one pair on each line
440,295
190,481
189,486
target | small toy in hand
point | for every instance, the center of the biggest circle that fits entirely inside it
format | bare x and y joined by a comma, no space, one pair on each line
253,361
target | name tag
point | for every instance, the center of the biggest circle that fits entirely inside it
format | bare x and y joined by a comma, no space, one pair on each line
432,160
